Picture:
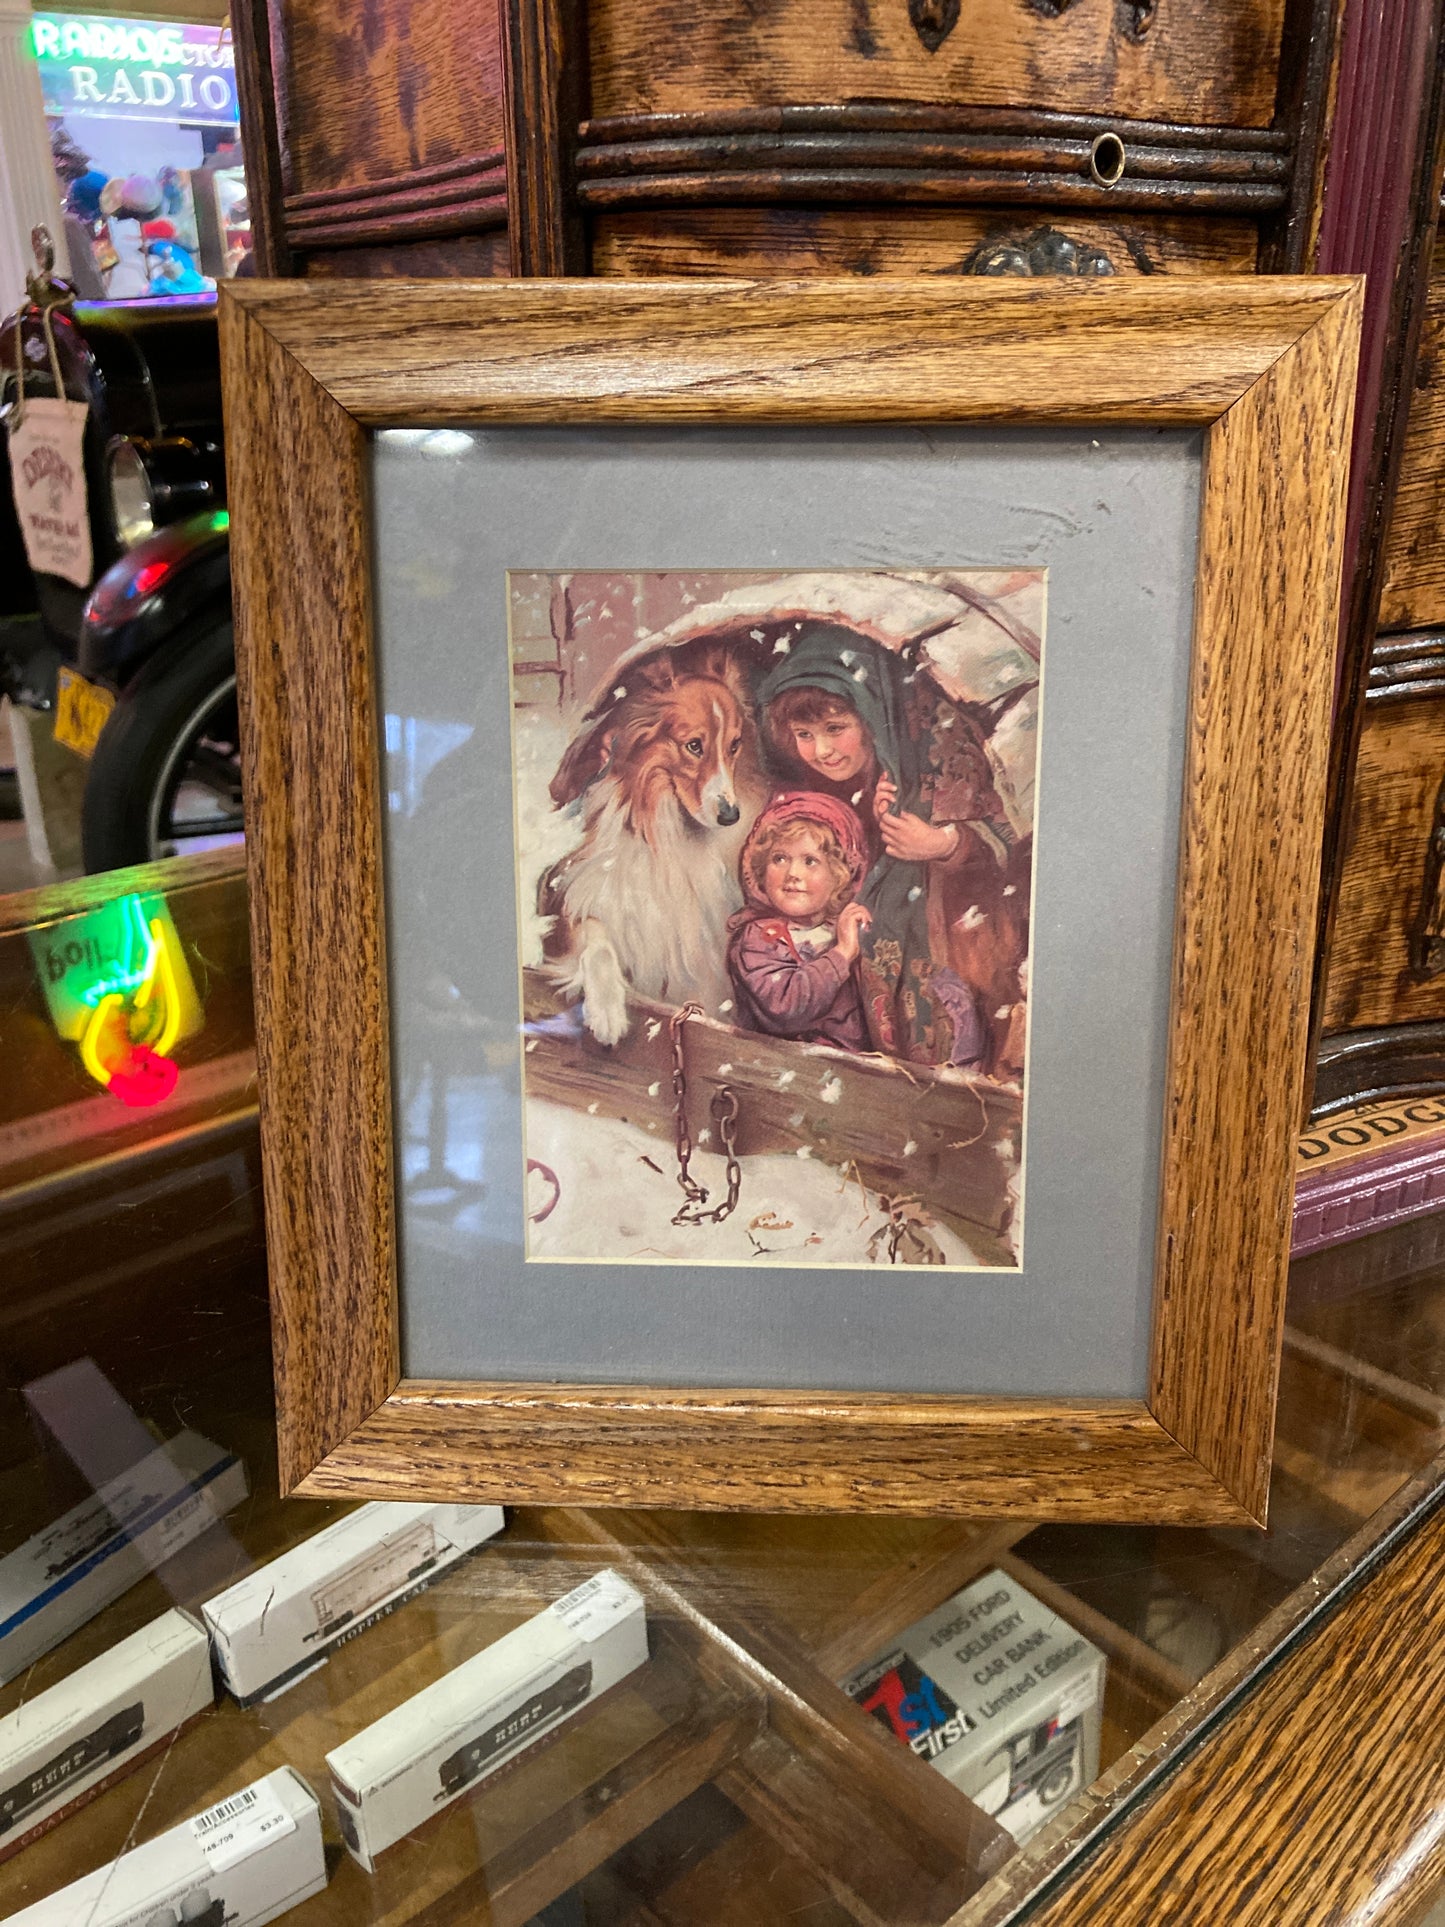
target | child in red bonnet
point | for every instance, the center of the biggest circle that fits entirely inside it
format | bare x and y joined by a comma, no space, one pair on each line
792,951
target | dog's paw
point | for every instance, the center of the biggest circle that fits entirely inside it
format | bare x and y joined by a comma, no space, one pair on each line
604,996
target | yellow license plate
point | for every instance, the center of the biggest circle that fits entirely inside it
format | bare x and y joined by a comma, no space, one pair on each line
81,709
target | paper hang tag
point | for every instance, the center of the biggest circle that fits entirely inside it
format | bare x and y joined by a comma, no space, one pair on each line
47,473
234,1828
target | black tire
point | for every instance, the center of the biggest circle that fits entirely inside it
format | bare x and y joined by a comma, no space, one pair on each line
143,751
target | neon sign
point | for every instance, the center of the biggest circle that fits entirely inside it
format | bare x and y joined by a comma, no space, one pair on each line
135,69
117,985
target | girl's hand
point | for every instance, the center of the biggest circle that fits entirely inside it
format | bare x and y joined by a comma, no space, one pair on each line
853,920
915,841
885,795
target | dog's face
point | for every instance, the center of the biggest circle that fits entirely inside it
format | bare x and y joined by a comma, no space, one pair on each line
690,739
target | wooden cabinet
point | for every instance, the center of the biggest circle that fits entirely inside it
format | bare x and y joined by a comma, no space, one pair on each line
916,136
373,136
1018,137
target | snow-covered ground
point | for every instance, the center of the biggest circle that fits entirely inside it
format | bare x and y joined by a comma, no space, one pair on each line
619,1191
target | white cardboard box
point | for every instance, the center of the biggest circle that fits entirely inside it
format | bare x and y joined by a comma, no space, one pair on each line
63,1746
69,1572
998,1693
244,1861
282,1620
417,1759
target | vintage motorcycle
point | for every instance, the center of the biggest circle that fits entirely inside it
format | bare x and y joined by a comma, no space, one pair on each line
137,667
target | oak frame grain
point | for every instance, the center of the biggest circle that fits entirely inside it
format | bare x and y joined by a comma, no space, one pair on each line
1265,368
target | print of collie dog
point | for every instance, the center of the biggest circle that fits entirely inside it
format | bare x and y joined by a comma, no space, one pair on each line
666,785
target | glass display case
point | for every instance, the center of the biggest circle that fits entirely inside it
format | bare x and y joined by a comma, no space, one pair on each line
826,1719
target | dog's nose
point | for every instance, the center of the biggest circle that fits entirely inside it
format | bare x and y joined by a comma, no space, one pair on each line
728,812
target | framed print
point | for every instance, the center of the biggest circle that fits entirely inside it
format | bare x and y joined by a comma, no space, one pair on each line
784,830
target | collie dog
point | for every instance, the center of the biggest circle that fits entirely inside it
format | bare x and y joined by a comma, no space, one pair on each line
667,787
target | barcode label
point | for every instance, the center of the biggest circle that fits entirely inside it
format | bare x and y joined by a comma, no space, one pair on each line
236,1826
581,1594
227,1809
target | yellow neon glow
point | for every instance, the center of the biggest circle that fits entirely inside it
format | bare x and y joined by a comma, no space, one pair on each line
171,997
89,1054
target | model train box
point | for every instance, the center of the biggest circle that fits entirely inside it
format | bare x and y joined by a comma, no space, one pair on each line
60,1748
281,1621
999,1694
72,1570
429,1750
244,1861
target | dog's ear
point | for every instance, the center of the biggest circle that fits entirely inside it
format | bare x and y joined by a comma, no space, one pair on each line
656,673
724,666
582,762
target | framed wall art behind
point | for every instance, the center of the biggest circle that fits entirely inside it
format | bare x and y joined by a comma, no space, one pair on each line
784,830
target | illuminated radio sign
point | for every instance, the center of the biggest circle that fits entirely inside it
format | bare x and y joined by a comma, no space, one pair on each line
135,69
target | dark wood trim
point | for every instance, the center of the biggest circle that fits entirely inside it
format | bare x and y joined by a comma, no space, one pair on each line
857,117
411,180
867,153
260,135
1403,667
466,196
544,52
1363,1066
1309,60
1382,191
924,187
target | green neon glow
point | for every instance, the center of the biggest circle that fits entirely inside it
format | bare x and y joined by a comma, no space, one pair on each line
133,936
221,521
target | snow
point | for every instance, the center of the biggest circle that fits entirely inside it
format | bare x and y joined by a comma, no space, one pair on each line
619,1192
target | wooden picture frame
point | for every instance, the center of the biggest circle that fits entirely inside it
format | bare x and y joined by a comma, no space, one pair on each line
1264,368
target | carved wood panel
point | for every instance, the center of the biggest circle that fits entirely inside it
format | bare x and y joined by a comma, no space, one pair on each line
376,135
1414,590
1175,60
908,240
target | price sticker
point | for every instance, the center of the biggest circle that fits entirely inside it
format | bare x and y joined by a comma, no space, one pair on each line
235,1827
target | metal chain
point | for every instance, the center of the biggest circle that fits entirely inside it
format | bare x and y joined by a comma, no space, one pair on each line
724,1112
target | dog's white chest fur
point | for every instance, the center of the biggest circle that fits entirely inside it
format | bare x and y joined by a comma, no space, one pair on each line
659,903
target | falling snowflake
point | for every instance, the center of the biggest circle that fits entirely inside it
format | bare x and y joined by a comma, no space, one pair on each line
781,646
805,1150
704,1137
971,918
619,692
910,1147
653,1027
860,675
1010,889
723,1069
653,1089
757,635
1003,1010
946,722
795,1122
847,655
726,1004
785,1078
531,1043
914,894
857,798
831,1089
592,1108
